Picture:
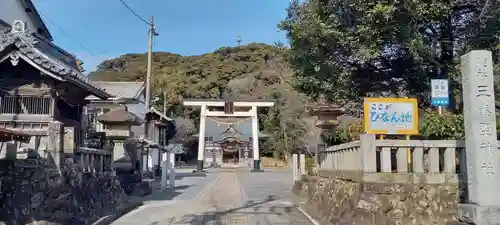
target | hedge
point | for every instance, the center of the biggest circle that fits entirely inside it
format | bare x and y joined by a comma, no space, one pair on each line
432,126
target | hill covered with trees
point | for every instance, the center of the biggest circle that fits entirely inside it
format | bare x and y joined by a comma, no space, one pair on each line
249,72
339,53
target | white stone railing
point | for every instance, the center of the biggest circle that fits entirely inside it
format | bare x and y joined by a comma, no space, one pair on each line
392,156
342,157
431,156
93,160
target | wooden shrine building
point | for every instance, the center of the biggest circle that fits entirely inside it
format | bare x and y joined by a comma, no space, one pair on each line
220,136
161,129
228,140
42,94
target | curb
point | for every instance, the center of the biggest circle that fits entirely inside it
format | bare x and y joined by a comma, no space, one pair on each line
309,217
106,220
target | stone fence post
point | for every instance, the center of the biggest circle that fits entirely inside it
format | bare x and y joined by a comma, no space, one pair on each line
302,165
164,173
295,167
368,153
56,143
171,169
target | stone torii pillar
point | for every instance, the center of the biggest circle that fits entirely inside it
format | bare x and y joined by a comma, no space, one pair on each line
229,111
201,138
255,140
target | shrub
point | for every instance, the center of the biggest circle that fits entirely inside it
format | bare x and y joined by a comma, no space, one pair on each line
438,127
432,126
445,127
355,129
310,165
335,136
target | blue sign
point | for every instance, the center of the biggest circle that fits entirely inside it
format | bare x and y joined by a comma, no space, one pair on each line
440,95
440,101
394,117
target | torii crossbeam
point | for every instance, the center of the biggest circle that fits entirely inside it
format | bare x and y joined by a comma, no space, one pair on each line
231,109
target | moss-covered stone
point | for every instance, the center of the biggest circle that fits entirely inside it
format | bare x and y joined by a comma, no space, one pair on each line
339,201
33,192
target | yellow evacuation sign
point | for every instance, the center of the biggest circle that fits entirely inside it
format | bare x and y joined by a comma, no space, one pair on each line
391,116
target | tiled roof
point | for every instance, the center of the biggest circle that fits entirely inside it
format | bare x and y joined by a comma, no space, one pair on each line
119,116
153,110
152,144
122,89
46,57
230,132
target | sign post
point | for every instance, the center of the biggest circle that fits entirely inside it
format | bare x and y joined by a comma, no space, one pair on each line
397,116
440,95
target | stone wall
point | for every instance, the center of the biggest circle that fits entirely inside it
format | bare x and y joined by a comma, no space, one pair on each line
33,190
348,201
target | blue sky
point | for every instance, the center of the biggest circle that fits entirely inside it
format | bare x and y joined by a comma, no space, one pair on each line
188,27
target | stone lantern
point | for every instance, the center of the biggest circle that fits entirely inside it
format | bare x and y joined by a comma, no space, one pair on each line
327,116
117,126
327,120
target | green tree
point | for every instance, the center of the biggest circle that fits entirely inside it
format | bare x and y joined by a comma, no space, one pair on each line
198,76
248,72
344,50
285,126
335,136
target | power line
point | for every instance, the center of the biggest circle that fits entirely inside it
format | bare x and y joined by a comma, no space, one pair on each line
66,33
133,12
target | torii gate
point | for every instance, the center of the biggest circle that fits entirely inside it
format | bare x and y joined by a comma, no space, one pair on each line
229,111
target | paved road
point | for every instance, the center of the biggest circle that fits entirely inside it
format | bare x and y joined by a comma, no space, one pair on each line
223,197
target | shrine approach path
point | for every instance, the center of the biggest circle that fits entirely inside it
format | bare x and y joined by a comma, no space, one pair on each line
228,197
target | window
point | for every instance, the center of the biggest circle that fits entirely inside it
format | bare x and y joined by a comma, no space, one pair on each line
25,105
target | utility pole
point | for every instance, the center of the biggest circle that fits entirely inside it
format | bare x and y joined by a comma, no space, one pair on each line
165,142
152,33
165,103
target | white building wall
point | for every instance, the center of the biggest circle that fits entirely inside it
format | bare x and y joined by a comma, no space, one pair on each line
138,110
11,10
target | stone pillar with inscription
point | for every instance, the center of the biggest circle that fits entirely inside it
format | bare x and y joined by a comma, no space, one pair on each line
56,143
482,171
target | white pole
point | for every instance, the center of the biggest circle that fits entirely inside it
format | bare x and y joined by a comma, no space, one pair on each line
171,169
294,167
440,110
302,161
255,140
145,162
164,171
201,138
